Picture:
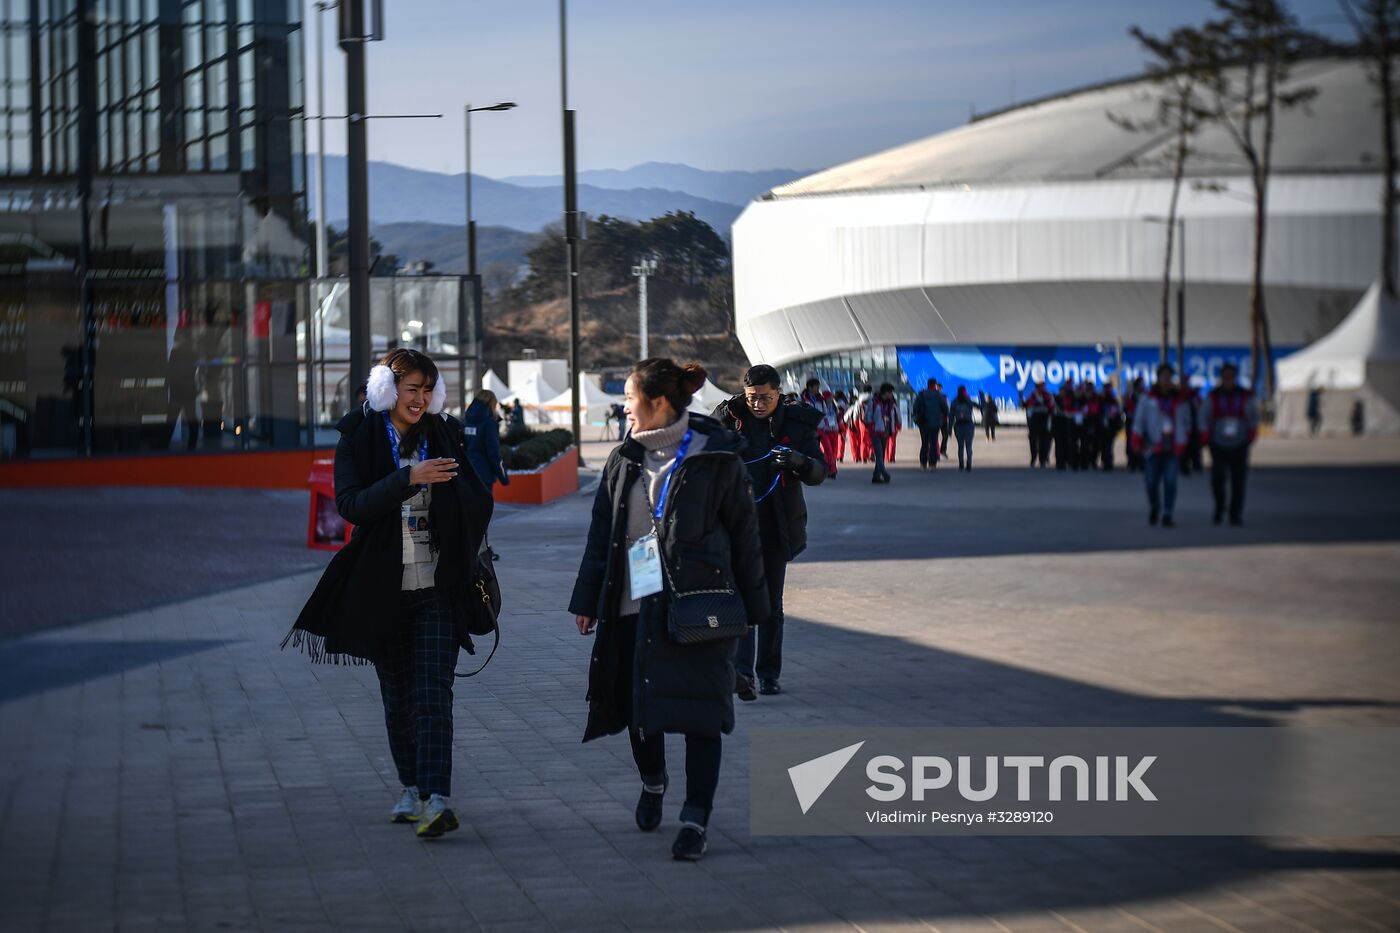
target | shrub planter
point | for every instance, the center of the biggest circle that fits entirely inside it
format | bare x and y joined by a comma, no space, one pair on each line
555,479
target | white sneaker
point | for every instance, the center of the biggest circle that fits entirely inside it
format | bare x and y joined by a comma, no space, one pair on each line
409,808
437,818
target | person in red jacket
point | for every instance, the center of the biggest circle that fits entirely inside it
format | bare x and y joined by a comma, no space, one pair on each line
1039,406
843,429
1229,425
828,429
882,419
1085,433
1132,398
1109,423
1160,429
860,432
1062,422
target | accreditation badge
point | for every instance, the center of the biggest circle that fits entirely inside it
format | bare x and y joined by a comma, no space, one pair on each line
417,548
644,566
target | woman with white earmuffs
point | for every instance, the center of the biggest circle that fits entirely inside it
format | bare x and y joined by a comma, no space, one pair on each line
399,594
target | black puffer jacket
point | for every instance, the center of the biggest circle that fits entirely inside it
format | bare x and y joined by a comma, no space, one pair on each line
793,424
709,532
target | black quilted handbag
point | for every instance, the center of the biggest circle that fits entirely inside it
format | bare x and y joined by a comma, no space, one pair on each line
702,616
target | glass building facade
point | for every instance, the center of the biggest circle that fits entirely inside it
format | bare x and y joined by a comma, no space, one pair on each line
851,370
153,232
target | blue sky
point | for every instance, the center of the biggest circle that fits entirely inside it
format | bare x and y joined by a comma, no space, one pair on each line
724,84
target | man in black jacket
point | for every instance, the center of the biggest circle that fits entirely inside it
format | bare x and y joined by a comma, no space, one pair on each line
783,452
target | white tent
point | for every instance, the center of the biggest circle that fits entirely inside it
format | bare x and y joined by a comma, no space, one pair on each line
495,384
1357,362
708,397
532,395
594,402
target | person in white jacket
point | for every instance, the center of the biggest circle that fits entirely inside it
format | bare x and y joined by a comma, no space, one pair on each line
1161,426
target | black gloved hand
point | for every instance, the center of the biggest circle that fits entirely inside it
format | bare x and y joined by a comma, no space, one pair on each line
785,458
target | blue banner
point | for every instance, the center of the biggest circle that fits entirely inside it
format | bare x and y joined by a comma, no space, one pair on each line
1009,373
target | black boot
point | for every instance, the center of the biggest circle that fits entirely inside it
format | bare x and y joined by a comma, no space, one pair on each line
649,807
690,844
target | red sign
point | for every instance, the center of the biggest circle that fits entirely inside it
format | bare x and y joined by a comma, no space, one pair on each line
262,318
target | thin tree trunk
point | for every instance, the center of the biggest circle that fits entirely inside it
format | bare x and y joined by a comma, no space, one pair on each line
1388,246
1178,170
1167,276
1256,288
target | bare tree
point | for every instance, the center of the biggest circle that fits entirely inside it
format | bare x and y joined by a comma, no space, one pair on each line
1180,64
1377,25
1252,47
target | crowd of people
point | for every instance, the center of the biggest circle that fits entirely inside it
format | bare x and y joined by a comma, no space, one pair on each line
695,520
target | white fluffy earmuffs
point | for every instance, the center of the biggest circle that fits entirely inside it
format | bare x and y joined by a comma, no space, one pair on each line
382,391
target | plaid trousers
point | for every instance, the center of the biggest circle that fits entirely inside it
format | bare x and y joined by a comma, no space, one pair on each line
415,681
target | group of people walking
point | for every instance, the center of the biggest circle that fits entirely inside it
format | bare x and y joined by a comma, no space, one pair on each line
694,522
681,582
1168,423
1169,428
1081,422
937,417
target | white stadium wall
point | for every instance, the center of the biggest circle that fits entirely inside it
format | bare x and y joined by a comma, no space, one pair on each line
1030,228
1072,262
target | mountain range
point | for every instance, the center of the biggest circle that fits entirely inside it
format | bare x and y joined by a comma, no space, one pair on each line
399,194
727,187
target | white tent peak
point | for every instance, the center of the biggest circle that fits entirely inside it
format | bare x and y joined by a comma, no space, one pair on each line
1370,332
495,384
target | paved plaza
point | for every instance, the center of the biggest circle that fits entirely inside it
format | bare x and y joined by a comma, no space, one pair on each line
166,767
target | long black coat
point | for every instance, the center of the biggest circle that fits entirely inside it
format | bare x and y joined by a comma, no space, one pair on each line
793,424
709,534
355,605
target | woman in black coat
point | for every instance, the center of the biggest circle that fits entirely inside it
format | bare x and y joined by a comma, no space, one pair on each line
686,469
398,594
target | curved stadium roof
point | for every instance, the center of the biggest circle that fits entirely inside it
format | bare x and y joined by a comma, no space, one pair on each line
1070,138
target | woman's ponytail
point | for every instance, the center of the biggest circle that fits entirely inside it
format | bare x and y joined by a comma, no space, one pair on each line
660,377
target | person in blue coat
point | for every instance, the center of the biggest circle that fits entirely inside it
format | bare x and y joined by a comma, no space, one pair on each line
481,427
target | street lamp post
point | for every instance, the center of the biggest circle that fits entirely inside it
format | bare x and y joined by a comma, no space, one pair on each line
467,111
641,270
478,319
571,228
321,236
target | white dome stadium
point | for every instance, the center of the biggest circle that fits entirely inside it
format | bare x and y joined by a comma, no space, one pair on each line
1034,227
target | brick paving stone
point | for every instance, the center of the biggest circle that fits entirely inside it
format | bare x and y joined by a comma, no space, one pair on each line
168,766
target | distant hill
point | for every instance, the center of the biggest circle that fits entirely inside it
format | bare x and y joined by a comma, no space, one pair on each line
728,187
445,245
405,195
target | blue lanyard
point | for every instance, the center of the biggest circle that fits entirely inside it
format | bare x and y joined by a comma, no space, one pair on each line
394,444
771,486
675,465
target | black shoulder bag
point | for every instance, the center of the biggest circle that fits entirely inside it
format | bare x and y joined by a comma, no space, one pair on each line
484,609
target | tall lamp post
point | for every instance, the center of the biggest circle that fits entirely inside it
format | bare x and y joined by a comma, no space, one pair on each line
571,228
478,319
1180,290
467,111
641,270
321,236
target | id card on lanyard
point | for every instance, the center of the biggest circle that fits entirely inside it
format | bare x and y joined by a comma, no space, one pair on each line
1229,426
644,555
417,547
